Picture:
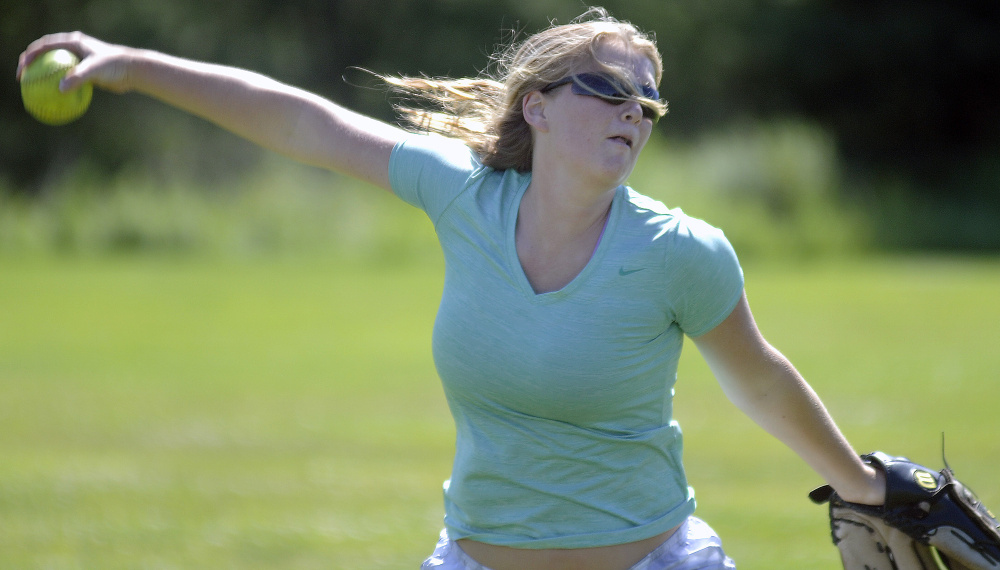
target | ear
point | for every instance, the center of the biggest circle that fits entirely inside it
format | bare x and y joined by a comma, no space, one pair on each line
533,109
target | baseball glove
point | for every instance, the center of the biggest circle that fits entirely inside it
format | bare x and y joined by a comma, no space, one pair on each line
930,521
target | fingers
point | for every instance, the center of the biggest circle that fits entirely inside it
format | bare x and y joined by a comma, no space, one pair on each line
75,42
105,65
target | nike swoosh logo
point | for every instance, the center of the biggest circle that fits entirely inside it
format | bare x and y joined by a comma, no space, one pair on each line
623,272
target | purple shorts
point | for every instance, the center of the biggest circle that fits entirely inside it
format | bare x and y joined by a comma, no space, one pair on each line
694,546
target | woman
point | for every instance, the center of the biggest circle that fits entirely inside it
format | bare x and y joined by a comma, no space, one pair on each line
566,297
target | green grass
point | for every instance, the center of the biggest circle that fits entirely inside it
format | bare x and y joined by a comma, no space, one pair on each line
159,412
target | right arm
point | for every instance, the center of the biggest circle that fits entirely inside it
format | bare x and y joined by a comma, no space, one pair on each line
300,125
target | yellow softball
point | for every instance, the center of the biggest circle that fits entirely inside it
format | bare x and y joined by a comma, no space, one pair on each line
40,89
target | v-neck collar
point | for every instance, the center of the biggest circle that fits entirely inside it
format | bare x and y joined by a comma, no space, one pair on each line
514,261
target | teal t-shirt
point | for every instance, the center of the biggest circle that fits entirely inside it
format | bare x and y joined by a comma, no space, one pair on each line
562,401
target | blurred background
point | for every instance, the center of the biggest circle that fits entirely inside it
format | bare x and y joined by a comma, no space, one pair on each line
801,127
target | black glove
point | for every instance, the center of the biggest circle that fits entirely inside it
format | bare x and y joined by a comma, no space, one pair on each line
929,520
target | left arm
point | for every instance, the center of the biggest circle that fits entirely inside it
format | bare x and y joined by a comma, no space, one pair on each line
762,383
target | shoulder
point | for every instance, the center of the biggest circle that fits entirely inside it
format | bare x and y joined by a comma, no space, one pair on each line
433,173
418,151
670,228
699,277
429,170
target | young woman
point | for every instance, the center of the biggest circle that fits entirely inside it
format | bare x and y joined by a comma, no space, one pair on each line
567,294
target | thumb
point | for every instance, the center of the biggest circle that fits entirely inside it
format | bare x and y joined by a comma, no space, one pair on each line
69,83
108,71
76,76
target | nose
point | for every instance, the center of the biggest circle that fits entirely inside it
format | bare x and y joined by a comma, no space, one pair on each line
631,111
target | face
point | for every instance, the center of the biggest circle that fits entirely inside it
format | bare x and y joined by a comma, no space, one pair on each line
592,136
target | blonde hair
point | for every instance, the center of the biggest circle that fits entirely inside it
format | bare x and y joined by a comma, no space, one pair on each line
486,112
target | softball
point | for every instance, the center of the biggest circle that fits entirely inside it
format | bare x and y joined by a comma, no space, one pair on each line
40,89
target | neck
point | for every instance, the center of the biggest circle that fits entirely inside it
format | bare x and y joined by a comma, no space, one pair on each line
557,215
563,203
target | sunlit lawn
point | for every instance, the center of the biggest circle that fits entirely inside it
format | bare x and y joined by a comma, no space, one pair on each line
159,413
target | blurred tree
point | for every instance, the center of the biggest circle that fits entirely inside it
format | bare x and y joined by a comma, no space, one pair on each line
309,43
910,89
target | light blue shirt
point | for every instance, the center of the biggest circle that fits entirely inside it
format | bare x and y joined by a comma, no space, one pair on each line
562,401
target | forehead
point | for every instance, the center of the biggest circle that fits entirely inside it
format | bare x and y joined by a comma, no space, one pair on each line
620,54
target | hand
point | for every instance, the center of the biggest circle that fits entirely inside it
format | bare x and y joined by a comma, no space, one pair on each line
102,64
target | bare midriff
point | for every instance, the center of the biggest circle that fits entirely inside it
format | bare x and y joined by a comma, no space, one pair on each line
615,557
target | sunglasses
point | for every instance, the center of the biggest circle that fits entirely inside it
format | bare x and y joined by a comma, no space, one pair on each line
608,89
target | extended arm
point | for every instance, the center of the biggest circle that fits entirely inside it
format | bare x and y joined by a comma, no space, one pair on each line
768,389
282,118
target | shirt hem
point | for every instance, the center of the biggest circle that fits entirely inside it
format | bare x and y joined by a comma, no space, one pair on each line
589,540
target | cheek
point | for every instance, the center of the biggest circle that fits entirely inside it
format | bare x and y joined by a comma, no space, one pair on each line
646,132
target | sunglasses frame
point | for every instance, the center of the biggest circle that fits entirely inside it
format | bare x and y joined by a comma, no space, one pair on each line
609,90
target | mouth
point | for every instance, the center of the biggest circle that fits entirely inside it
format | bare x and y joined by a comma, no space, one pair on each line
623,139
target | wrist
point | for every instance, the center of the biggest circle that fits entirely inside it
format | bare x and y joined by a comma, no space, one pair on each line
868,489
137,69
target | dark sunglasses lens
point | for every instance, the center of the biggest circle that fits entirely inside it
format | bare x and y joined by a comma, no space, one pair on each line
607,89
598,86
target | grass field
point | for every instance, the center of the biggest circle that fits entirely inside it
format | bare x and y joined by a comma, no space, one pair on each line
163,413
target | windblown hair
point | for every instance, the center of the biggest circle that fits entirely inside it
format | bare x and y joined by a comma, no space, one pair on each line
486,113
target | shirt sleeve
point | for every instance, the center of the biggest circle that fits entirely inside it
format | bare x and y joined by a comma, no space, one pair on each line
706,278
429,171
